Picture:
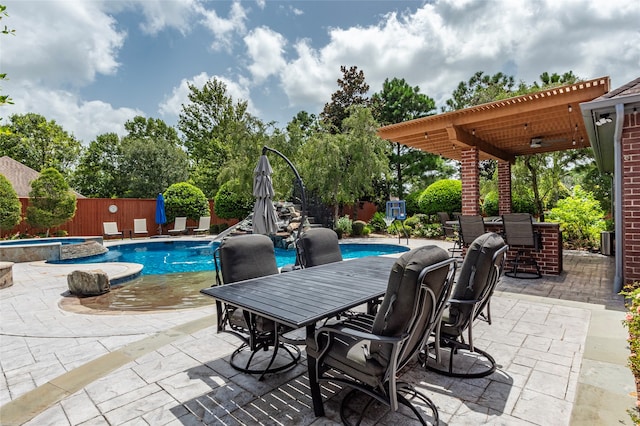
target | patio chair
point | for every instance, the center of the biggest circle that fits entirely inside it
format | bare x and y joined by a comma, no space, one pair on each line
471,227
367,352
140,227
110,229
203,225
519,233
479,275
179,226
450,232
318,246
242,258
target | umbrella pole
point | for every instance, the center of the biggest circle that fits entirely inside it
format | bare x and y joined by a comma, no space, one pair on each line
303,195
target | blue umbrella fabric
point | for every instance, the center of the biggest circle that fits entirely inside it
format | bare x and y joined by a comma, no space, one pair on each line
161,217
264,214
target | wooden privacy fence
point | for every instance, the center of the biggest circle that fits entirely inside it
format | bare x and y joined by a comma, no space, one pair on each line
92,212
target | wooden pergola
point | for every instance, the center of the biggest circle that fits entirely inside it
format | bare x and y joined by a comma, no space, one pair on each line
545,121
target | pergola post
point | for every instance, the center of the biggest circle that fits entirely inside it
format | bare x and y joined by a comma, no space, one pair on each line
504,187
470,182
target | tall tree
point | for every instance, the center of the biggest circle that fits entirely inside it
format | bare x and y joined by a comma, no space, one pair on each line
98,173
342,168
395,103
10,207
152,157
51,202
38,143
212,125
482,88
353,91
4,99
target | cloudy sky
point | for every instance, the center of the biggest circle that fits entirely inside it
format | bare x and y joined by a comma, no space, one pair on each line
91,65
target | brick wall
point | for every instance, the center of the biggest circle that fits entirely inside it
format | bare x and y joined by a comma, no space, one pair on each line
470,182
550,255
631,196
504,187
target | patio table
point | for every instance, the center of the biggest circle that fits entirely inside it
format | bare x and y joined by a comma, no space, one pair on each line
301,298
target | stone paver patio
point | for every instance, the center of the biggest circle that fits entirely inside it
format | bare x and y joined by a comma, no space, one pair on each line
561,361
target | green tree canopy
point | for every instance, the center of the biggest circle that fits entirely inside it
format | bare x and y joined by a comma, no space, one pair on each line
98,173
38,143
152,158
51,202
10,207
342,168
352,91
395,103
213,125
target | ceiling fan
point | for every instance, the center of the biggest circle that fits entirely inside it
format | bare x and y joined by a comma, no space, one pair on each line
539,141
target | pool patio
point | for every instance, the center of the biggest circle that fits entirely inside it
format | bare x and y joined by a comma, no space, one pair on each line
559,341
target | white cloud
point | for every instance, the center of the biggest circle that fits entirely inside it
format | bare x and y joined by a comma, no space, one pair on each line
265,49
60,42
161,14
224,29
445,42
84,119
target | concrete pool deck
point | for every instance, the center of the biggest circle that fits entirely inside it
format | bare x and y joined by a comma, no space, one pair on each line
562,361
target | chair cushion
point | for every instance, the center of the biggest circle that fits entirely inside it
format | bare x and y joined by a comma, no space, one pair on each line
476,273
395,313
319,246
247,256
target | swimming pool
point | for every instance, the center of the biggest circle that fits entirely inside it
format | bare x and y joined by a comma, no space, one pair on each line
170,257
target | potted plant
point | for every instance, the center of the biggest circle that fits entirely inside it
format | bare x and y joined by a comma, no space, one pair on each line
632,323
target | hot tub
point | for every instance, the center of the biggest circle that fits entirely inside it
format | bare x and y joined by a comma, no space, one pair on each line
51,249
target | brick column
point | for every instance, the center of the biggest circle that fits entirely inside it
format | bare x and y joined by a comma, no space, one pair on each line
631,197
504,187
470,182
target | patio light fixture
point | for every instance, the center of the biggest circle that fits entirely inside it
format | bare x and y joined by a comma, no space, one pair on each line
604,119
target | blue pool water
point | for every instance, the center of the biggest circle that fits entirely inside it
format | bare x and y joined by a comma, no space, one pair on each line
169,257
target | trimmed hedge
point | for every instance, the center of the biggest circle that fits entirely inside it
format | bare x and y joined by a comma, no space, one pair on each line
442,196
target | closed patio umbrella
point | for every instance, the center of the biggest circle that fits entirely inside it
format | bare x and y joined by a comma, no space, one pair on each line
161,217
264,215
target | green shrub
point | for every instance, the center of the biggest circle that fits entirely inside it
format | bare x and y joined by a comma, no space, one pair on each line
442,196
231,205
51,202
185,199
343,225
490,205
366,231
412,201
523,204
377,222
581,219
357,228
10,207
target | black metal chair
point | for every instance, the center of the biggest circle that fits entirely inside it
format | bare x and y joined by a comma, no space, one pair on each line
471,227
450,232
519,233
366,352
241,258
318,246
479,275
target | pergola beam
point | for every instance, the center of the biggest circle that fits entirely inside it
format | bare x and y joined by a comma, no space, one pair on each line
461,138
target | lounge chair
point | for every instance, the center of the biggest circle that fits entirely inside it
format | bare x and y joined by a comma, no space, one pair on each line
366,352
110,229
203,225
451,232
179,226
242,258
140,228
479,275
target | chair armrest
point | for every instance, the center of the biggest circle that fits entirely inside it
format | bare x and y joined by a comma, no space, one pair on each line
348,331
464,302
